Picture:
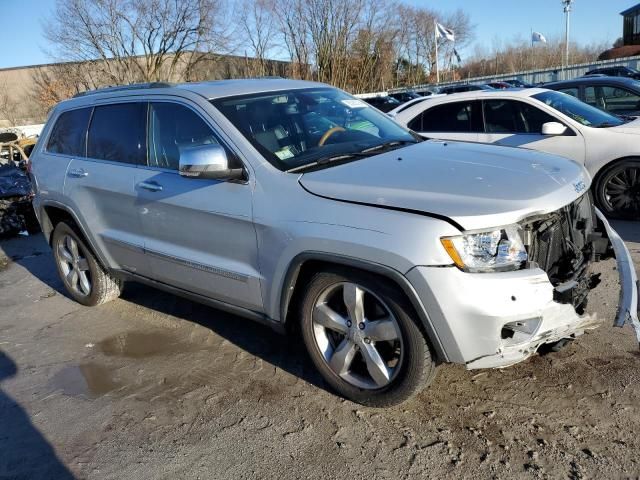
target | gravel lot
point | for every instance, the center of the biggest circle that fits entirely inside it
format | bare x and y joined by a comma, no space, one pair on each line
154,386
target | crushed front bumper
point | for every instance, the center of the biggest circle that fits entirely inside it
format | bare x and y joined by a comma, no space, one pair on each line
629,286
490,320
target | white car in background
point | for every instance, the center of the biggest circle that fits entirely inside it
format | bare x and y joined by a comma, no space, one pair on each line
547,121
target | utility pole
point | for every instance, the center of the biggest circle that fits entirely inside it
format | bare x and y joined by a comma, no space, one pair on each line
435,38
567,11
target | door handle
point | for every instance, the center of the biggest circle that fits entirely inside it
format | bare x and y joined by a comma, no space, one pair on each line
151,186
78,172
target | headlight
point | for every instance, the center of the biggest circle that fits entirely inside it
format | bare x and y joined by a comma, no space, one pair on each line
497,250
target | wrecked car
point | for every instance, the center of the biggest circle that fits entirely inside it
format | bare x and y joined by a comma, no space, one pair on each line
16,212
299,206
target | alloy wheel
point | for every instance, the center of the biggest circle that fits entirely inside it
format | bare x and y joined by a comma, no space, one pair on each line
622,191
357,335
74,266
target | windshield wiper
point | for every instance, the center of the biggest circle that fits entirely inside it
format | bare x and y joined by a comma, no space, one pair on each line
605,125
386,145
367,152
325,161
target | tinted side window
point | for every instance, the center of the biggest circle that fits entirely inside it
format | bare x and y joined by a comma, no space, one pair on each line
594,97
69,132
510,116
173,127
118,133
449,117
620,100
502,116
534,118
573,91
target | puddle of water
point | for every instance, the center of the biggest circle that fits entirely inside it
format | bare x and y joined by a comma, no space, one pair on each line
4,262
143,344
89,380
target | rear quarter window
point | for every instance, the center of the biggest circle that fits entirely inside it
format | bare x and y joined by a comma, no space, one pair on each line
69,133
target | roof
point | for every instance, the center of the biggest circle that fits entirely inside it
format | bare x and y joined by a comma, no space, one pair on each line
210,90
481,94
229,88
631,9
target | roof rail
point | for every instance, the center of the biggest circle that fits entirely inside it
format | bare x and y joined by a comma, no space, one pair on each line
120,88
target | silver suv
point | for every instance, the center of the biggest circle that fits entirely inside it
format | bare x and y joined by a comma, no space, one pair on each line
297,205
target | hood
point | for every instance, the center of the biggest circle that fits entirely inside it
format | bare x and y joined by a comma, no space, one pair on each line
474,185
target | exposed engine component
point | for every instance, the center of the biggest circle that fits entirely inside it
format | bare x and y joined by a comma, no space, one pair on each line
564,243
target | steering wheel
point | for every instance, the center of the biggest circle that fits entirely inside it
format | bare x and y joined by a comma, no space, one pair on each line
328,133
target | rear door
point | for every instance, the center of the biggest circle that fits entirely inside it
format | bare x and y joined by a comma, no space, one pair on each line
450,121
514,123
101,184
199,233
65,142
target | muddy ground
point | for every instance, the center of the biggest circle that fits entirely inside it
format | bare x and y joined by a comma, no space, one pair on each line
153,386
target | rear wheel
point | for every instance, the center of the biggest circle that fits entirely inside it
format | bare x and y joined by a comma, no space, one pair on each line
361,336
617,191
83,277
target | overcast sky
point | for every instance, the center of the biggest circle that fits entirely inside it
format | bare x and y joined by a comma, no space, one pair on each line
495,20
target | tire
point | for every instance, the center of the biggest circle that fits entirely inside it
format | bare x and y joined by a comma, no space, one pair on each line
407,363
617,190
91,284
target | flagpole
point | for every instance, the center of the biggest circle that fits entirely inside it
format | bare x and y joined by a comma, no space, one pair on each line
435,36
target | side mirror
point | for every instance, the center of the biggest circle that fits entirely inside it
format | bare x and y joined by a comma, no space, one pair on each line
553,128
207,161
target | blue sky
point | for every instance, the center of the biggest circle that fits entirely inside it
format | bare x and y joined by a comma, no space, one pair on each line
592,21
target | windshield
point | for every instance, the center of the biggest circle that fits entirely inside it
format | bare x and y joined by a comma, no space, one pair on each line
295,128
575,109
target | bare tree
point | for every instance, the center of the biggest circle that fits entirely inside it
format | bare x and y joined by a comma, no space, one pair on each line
137,40
257,32
519,55
8,107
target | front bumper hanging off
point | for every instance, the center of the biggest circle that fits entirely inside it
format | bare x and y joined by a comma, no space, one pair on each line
629,286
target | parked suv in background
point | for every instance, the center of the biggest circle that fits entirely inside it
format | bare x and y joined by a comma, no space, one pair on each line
616,95
295,204
615,72
383,103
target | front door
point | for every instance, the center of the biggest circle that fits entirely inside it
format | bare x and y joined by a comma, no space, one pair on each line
513,123
199,233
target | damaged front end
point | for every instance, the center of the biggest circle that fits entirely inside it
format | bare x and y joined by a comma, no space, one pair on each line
549,296
566,242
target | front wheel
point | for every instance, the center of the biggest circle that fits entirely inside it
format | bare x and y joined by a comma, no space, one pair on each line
361,335
83,277
617,191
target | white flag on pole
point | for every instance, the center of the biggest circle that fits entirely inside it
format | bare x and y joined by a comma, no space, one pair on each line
444,32
538,37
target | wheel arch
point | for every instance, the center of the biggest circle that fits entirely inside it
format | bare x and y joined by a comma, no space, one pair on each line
52,213
606,166
304,265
